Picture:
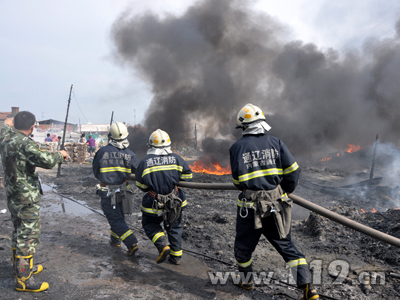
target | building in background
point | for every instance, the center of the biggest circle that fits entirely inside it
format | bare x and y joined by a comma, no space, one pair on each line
54,126
5,115
95,130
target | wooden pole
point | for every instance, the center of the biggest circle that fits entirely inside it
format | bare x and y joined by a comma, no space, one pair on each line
65,129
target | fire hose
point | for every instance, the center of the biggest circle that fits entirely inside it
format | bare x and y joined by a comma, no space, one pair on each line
376,234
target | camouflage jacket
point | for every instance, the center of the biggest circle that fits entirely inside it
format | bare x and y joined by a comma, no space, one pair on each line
20,156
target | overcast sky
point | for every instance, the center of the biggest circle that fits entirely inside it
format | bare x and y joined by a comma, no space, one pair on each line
45,46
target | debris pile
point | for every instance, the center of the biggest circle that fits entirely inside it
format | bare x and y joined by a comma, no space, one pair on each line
76,152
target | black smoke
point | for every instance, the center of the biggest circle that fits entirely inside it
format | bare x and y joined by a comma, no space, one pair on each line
205,65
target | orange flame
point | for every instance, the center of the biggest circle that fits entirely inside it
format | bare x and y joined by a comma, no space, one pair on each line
363,210
352,148
205,165
326,158
373,210
396,208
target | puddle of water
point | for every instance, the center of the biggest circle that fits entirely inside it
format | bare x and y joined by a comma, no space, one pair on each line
59,204
66,206
47,187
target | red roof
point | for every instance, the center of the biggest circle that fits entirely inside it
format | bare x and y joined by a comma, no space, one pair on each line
4,115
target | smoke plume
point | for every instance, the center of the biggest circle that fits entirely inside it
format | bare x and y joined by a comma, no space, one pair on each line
205,65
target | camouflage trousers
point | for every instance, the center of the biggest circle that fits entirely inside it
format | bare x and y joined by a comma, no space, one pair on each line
26,221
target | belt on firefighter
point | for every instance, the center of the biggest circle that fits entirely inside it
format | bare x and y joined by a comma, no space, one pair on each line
104,187
107,186
112,190
156,204
154,194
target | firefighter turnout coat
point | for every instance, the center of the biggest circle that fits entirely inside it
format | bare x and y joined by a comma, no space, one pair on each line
114,166
261,162
160,174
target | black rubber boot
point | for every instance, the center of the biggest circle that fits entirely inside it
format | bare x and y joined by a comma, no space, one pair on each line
117,244
132,250
309,292
35,270
245,281
23,273
175,260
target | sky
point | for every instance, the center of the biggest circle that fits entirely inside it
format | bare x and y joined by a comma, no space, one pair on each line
45,46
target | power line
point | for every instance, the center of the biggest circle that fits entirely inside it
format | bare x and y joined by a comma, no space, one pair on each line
384,21
381,46
79,107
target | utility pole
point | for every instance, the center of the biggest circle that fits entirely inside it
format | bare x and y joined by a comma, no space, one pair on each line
373,160
112,117
65,129
195,136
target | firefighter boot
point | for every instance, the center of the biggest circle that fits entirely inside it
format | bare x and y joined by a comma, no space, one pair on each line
115,243
23,272
244,280
309,292
175,260
35,270
163,255
132,250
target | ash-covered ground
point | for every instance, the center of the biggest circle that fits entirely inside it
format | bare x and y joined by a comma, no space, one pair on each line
80,264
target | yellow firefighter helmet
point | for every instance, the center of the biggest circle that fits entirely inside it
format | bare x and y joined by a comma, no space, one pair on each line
248,114
159,138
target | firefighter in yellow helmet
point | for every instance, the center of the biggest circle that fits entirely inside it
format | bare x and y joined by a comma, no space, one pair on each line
112,165
158,175
265,171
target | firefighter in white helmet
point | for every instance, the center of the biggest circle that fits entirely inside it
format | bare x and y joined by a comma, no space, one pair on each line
265,171
158,175
112,165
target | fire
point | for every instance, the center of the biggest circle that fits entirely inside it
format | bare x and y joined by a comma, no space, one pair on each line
205,165
326,158
352,148
373,210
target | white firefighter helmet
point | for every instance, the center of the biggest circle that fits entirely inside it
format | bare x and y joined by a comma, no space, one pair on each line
118,131
159,138
248,114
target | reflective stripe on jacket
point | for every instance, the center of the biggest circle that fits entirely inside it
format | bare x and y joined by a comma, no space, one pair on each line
113,166
160,174
261,162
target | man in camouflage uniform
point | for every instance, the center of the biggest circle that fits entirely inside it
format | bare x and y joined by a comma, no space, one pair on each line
20,156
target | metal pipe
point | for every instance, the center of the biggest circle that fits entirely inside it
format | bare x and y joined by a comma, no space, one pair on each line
306,204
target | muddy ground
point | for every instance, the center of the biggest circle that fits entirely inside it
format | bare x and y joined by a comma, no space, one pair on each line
80,264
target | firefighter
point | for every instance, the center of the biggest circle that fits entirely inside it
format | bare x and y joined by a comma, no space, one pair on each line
158,174
112,165
265,171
